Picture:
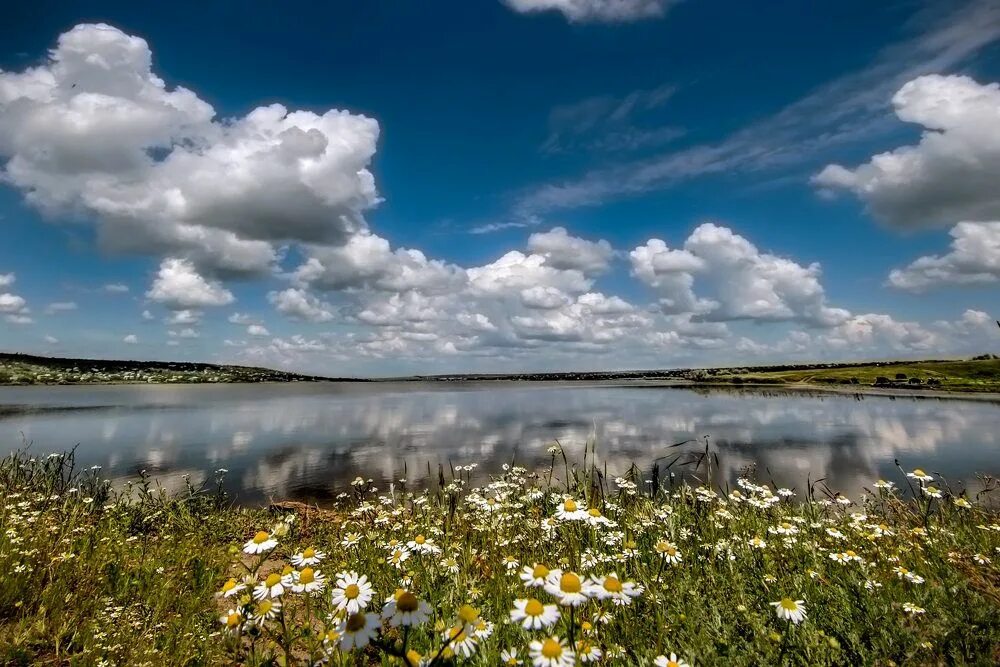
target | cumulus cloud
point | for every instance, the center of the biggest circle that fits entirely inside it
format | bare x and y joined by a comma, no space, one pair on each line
14,308
300,304
185,316
115,288
562,251
596,10
746,284
94,132
974,259
951,174
130,339
179,286
257,331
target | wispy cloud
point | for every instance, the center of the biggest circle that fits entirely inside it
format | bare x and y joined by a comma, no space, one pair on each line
611,123
848,109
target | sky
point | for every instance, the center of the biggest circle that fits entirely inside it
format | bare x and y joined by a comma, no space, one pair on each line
402,187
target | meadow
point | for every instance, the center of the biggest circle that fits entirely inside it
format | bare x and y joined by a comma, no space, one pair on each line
568,565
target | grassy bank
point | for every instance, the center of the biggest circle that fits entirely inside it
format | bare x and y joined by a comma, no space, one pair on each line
982,375
607,570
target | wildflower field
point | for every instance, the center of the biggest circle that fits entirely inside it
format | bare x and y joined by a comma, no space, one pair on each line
551,568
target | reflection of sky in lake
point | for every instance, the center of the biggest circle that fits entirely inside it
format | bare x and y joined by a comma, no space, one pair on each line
309,441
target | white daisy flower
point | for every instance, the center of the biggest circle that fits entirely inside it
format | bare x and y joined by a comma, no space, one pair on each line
260,543
790,610
567,587
551,652
405,609
533,615
357,630
353,592
308,557
308,580
672,661
611,587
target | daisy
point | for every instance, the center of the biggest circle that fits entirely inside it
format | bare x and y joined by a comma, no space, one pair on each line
231,588
611,587
551,652
588,652
567,587
932,491
783,528
510,563
273,586
397,557
308,580
265,610
669,552
963,503
594,517
912,609
882,484
533,615
757,543
406,609
308,557
450,564
260,543
920,475
508,658
569,510
461,639
357,630
353,592
350,540
422,545
534,576
790,610
672,661
231,619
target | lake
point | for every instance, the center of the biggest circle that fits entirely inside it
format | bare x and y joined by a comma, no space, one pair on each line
308,441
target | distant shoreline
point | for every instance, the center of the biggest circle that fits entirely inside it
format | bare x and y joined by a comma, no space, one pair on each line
926,378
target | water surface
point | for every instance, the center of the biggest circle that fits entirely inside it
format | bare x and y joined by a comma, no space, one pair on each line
307,441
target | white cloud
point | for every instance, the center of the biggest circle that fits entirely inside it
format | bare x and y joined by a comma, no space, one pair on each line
11,303
543,298
300,304
951,174
974,259
131,339
596,10
516,271
6,279
185,316
747,284
562,251
147,316
240,318
184,333
50,340
115,288
93,131
178,285
60,307
257,331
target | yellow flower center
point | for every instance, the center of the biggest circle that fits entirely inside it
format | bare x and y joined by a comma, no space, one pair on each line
919,472
264,607
307,576
352,591
419,539
355,622
309,553
407,602
569,505
540,571
788,604
413,657
593,511
229,585
613,585
468,614
491,501
273,579
850,554
260,537
232,619
786,525
332,635
673,663
288,569
534,608
569,583
551,648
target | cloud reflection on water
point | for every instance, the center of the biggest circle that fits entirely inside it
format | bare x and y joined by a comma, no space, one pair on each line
309,441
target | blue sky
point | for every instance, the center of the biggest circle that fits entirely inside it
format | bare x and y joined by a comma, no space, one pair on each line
680,183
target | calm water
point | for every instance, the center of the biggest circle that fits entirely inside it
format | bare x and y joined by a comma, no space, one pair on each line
308,441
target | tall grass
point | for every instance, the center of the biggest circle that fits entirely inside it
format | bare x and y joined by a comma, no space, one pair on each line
89,575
